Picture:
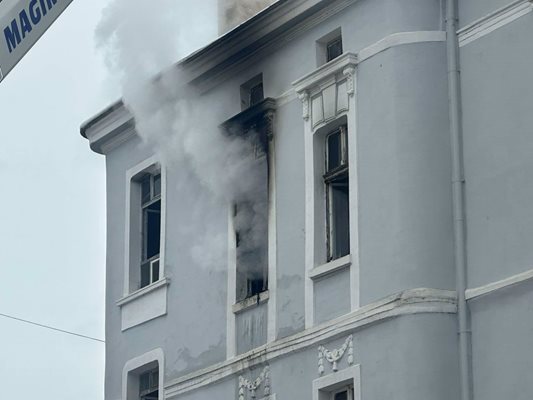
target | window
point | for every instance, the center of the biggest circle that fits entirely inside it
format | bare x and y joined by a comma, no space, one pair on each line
334,49
252,92
150,185
336,182
329,47
346,393
149,385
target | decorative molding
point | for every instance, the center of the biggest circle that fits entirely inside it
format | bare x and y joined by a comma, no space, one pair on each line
334,356
142,292
409,302
498,285
349,73
493,21
252,385
134,364
399,39
304,98
328,383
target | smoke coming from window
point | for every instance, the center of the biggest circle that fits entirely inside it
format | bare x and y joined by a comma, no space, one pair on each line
209,170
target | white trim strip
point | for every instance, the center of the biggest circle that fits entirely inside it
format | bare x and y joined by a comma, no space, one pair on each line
398,39
414,301
493,21
495,286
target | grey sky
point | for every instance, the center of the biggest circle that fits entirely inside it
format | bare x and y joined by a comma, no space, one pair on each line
52,208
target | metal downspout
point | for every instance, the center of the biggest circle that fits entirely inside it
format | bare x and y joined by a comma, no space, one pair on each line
456,135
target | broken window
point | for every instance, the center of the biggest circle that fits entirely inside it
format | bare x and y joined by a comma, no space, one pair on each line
250,214
336,180
151,228
149,385
334,48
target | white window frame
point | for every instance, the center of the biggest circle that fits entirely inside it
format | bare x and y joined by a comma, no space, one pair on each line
328,80
145,304
133,368
326,387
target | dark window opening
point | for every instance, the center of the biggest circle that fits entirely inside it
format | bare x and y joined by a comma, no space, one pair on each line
334,49
256,94
337,185
151,228
252,92
149,385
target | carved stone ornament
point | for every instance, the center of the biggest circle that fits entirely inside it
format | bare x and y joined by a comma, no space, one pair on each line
304,98
251,386
349,72
334,356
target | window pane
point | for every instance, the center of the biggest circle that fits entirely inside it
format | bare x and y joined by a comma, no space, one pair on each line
144,382
145,274
341,395
256,94
340,218
145,189
334,151
334,49
152,226
157,185
155,271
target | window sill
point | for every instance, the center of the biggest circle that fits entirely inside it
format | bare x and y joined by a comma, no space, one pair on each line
250,302
143,291
330,267
144,305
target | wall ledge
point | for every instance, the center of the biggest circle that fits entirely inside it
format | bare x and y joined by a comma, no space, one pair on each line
408,302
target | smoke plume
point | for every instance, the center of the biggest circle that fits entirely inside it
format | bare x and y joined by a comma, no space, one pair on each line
212,170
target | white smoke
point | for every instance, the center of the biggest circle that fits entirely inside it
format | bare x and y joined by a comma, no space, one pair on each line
139,40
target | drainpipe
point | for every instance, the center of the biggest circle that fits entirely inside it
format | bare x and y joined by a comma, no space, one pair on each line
456,134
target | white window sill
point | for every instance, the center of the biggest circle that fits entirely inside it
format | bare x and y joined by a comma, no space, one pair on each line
144,305
141,292
330,267
251,302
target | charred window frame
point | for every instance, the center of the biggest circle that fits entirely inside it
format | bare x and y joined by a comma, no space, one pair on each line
250,214
150,185
336,181
149,385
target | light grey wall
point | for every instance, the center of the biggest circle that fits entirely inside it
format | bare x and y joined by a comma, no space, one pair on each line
405,222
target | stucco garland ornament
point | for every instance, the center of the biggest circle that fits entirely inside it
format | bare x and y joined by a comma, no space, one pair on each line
252,385
334,356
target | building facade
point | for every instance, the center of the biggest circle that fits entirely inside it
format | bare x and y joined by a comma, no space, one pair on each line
394,170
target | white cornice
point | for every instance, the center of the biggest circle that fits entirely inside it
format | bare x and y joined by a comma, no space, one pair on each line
414,301
493,21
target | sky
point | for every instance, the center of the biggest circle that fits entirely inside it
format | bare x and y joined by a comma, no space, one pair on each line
52,207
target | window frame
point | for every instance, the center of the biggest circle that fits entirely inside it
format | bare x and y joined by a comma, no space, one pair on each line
330,177
153,199
325,387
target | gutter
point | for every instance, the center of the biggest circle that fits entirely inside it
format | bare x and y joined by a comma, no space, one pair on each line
458,184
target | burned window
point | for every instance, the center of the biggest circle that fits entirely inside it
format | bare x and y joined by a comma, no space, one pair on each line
149,385
252,92
254,126
336,180
151,228
334,48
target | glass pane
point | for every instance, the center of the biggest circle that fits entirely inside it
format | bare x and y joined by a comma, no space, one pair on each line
155,271
341,395
152,229
145,190
144,382
145,274
334,49
157,185
256,94
334,151
340,217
